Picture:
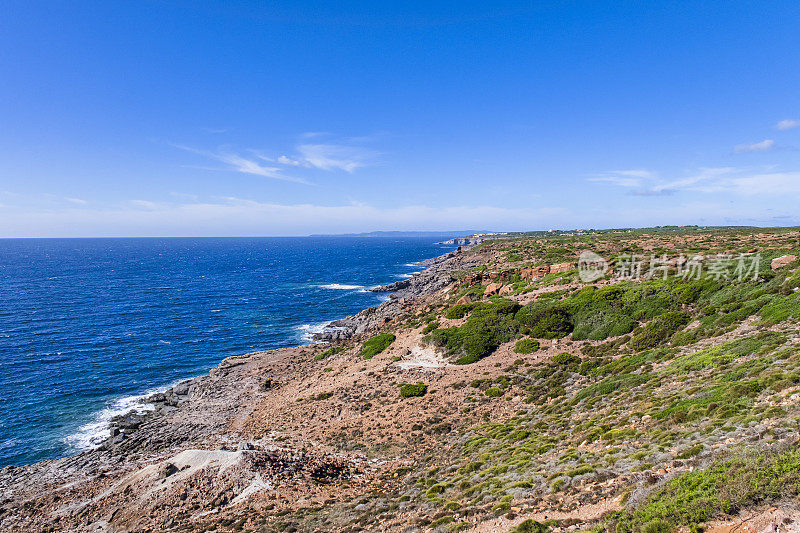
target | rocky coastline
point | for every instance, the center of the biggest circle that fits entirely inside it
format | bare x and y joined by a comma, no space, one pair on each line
437,275
200,412
386,425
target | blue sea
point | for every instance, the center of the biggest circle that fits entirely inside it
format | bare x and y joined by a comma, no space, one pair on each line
88,326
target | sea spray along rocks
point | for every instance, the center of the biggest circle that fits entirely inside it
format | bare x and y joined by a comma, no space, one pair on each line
623,398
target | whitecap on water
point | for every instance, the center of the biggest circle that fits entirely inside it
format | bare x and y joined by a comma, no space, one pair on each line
92,434
340,286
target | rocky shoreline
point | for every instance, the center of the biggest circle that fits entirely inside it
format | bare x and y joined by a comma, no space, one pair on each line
436,276
199,413
387,427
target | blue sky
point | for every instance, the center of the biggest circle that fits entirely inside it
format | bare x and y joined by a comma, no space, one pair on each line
288,118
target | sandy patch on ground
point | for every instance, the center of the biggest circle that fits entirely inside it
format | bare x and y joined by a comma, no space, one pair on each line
423,357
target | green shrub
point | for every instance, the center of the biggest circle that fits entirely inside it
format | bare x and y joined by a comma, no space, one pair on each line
546,320
494,392
408,390
489,325
459,311
376,345
657,526
587,367
430,327
526,346
333,350
725,487
690,452
659,330
530,526
566,359
321,396
612,384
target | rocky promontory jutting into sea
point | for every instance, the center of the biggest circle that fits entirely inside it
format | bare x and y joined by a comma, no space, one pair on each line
495,390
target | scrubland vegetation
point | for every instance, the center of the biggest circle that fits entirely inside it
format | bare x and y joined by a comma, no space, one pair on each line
691,380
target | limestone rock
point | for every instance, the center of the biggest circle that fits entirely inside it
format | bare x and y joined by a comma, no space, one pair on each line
534,273
492,288
562,267
782,261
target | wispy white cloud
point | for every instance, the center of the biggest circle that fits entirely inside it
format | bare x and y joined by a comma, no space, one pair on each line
253,164
772,183
239,216
286,160
334,156
347,155
739,181
146,205
649,183
788,124
763,146
625,178
77,201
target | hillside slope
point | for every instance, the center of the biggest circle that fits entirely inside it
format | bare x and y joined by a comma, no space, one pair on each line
494,391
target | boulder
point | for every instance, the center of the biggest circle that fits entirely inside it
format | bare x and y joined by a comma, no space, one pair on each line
506,289
782,261
562,267
492,288
534,273
464,300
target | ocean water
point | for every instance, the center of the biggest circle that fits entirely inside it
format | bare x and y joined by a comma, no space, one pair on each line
88,326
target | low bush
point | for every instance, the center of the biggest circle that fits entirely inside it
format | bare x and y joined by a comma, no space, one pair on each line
546,320
530,526
376,345
659,330
489,325
430,327
409,390
725,487
566,359
333,350
526,346
458,311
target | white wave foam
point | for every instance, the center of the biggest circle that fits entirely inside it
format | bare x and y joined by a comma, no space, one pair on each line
307,331
369,289
92,434
340,286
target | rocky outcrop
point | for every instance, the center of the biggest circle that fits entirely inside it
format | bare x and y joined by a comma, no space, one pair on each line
782,261
562,267
534,273
438,275
492,288
464,241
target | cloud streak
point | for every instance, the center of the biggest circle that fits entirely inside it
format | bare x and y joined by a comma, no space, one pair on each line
326,156
763,146
787,124
253,165
243,217
713,180
334,157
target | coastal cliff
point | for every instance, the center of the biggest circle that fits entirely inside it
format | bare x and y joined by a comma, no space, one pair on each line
493,390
